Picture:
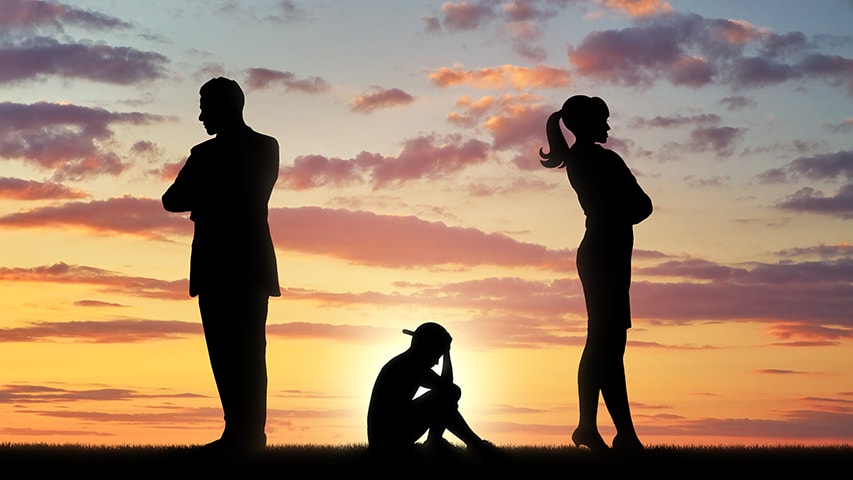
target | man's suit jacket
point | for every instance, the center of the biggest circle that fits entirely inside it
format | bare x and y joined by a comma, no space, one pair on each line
226,184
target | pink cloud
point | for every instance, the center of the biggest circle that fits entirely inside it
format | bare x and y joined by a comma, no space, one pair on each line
119,215
693,51
112,331
518,125
801,303
380,98
505,76
403,241
795,426
809,200
464,16
45,57
64,138
36,13
425,157
18,189
109,282
263,78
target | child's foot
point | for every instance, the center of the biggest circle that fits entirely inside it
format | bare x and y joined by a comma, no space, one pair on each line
439,446
483,447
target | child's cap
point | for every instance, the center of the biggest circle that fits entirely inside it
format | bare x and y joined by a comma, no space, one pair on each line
429,333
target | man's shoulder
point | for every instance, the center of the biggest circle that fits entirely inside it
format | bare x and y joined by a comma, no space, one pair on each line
204,146
266,140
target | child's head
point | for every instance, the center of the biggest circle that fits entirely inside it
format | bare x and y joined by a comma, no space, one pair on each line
430,339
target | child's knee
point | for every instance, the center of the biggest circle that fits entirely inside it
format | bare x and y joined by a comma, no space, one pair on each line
454,393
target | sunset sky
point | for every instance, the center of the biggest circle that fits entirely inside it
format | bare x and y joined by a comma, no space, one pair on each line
410,190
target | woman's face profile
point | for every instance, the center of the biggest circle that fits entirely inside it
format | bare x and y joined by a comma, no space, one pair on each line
593,129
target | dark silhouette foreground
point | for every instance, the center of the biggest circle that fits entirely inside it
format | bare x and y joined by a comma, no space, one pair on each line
226,184
613,202
396,419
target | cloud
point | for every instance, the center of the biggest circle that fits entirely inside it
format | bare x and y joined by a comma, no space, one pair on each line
822,251
463,16
96,303
518,125
263,78
795,425
38,13
845,126
64,138
638,8
287,11
325,331
41,57
823,167
424,157
112,331
18,189
737,102
720,140
811,298
706,135
809,200
674,121
826,166
502,77
693,51
28,394
806,303
403,241
779,371
519,20
384,240
380,98
120,215
109,282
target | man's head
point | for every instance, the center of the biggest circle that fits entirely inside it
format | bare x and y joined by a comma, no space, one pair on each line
221,103
430,340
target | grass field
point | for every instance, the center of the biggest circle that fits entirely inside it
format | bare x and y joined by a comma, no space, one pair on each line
532,462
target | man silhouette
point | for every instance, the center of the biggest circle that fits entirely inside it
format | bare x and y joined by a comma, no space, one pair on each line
396,419
226,184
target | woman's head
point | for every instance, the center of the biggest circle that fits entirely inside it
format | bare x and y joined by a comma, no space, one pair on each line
586,117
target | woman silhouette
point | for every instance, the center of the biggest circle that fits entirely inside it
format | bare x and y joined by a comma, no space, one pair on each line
613,202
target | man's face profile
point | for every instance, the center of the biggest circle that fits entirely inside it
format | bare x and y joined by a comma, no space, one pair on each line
210,115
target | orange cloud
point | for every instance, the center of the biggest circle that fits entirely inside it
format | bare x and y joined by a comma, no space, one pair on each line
505,76
18,189
119,215
424,157
108,281
638,8
262,78
404,241
381,98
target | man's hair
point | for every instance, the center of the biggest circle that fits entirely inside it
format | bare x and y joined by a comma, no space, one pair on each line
225,92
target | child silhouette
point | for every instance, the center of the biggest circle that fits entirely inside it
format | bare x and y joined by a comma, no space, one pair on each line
396,419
